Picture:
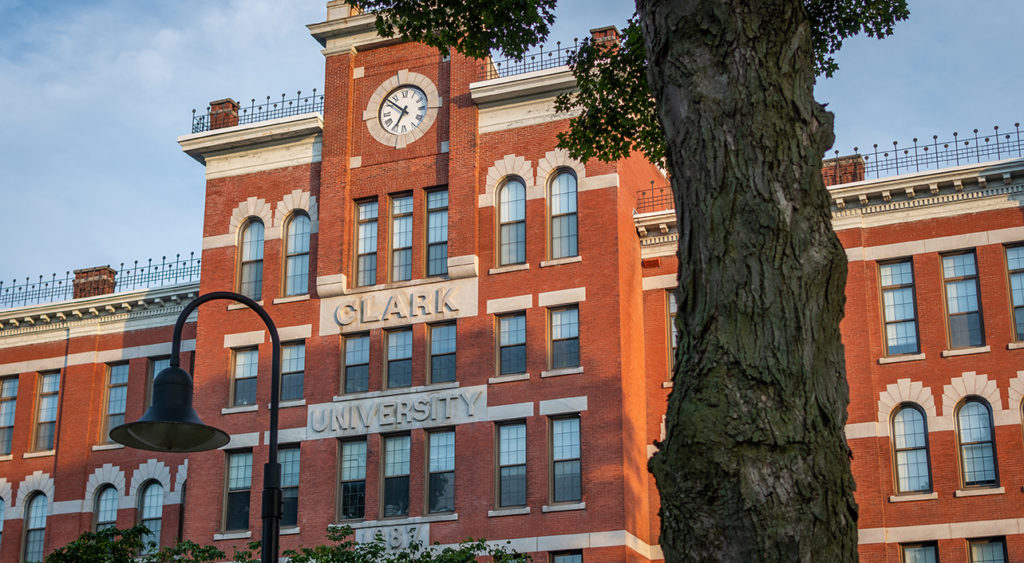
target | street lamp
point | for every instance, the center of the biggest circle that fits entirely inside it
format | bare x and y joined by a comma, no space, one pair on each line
172,425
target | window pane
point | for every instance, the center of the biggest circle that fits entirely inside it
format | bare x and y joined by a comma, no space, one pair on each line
512,201
298,235
353,499
919,554
297,280
396,456
399,358
293,365
442,451
289,460
912,470
513,359
442,368
442,492
238,511
246,366
965,330
513,243
151,513
442,353
958,265
563,236
396,476
106,508
962,296
513,486
239,471
565,438
567,481
568,558
977,459
357,359
901,338
513,330
990,551
252,241
353,475
353,461
396,496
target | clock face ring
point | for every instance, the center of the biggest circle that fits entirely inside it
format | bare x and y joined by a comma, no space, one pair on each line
403,110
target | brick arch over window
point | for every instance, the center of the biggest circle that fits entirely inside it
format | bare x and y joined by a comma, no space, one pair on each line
557,159
297,200
37,481
904,391
510,165
254,207
152,470
968,384
106,475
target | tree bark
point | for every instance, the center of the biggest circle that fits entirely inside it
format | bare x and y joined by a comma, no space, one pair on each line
755,465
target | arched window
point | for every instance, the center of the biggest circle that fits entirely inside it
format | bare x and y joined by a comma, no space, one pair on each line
250,270
977,449
35,528
105,512
151,508
910,448
562,205
296,255
512,222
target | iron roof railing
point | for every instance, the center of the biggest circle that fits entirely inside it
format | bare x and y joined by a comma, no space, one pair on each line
541,60
265,111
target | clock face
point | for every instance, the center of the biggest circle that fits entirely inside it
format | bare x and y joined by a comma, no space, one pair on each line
403,110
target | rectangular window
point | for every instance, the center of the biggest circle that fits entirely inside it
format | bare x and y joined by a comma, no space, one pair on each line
437,233
567,557
565,460
673,331
919,553
512,464
46,414
898,310
236,512
441,471
8,403
989,550
156,365
396,476
442,353
288,457
1015,269
401,238
565,337
244,376
352,504
366,245
357,363
399,358
962,301
117,398
512,344
293,367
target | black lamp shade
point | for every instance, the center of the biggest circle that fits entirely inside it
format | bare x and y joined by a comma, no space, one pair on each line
170,424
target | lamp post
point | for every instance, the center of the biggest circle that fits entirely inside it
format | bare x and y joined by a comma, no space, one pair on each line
172,425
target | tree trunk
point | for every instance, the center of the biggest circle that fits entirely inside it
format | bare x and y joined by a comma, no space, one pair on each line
755,466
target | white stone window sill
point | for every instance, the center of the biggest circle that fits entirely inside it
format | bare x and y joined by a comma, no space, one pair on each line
238,409
966,351
400,391
236,306
510,268
564,507
289,404
30,455
913,497
449,517
291,299
560,261
979,492
290,531
666,384
562,371
233,536
7,457
508,512
1015,345
102,447
903,358
508,377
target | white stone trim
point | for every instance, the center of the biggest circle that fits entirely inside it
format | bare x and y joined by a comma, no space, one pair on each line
37,481
901,358
979,492
509,412
946,531
913,498
563,406
562,297
402,77
508,378
100,357
562,371
1015,393
665,281
966,351
253,207
611,538
509,268
297,200
560,261
6,495
507,304
246,440
509,165
563,507
297,332
937,244
557,159
241,408
292,299
108,474
508,512
904,391
151,470
968,384
233,535
242,339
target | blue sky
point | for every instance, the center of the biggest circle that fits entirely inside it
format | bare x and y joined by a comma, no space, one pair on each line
95,94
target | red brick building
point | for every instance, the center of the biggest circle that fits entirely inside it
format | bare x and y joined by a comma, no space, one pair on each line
477,339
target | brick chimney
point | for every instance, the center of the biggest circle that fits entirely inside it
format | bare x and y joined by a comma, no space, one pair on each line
605,37
223,113
842,170
90,282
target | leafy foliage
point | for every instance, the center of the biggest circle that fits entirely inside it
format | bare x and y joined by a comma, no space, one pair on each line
126,546
471,27
835,20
